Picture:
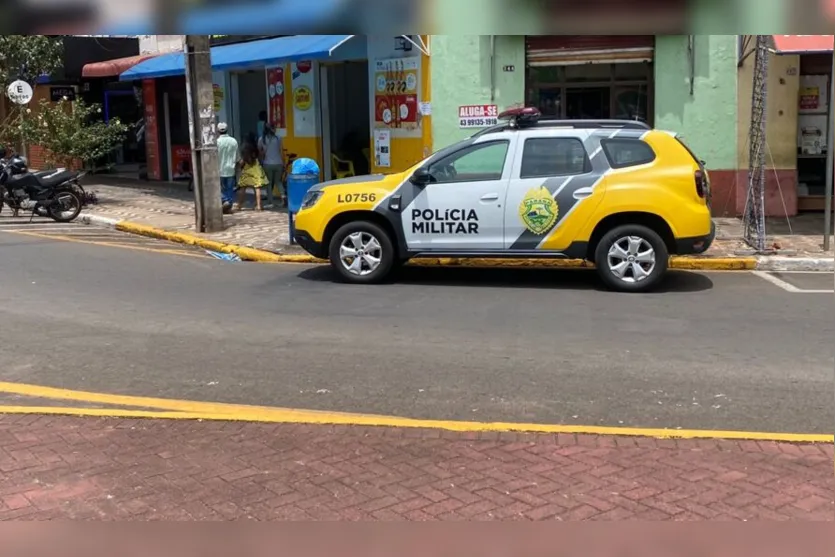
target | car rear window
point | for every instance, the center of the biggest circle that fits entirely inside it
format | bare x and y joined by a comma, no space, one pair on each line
623,153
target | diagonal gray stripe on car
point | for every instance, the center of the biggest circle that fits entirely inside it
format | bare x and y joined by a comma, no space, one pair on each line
563,190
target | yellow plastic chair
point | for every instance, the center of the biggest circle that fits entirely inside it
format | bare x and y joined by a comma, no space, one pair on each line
340,168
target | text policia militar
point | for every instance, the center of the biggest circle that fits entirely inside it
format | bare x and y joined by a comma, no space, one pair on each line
448,221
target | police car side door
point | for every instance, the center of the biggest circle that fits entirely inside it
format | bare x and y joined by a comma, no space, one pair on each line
549,174
462,208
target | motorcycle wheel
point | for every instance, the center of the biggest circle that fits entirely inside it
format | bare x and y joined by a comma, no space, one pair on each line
65,207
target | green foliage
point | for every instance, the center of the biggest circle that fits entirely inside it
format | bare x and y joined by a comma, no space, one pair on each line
28,57
67,131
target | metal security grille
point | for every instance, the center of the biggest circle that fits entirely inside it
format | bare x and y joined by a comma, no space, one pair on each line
754,218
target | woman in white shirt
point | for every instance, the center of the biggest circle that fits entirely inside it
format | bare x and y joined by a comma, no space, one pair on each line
272,159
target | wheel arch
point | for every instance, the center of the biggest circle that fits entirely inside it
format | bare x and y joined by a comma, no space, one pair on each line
652,221
380,220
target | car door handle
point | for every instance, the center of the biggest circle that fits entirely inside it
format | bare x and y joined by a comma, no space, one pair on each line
583,193
490,197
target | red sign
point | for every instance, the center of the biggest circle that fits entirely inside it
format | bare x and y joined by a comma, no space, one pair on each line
275,87
180,162
788,44
152,150
304,66
478,111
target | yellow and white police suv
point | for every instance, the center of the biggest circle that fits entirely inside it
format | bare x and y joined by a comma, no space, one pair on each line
616,193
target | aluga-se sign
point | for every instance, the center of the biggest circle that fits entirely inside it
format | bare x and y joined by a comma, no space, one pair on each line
478,116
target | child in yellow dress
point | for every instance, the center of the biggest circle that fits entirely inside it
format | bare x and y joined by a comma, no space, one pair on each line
252,176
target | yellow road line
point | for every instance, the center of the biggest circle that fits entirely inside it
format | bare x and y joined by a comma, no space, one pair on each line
107,244
181,409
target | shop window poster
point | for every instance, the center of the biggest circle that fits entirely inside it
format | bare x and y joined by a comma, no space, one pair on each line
304,115
275,88
396,93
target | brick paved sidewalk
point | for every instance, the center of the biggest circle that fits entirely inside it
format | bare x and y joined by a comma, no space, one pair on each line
92,468
171,207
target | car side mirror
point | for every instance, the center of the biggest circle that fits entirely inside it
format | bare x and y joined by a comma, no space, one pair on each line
421,177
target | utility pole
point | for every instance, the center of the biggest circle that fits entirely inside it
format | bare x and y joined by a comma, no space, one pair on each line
754,219
203,131
830,160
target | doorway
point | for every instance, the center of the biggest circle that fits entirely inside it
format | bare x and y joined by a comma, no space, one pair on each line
346,119
124,105
251,103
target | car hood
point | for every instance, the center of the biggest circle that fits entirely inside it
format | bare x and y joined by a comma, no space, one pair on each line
383,180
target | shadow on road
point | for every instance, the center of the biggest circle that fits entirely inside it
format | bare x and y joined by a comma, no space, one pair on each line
560,279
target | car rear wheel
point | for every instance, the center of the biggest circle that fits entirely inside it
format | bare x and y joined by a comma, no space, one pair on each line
631,258
361,253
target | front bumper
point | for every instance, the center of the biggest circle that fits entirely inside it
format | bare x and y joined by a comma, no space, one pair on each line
696,244
311,246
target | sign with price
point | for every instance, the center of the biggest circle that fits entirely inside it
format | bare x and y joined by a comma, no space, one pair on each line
478,115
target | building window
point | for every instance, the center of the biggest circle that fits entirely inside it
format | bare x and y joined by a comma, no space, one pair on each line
592,91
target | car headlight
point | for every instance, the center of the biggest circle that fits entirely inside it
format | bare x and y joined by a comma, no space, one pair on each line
311,198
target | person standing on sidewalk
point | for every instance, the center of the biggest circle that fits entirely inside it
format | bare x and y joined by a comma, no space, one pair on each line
271,151
262,124
227,152
252,176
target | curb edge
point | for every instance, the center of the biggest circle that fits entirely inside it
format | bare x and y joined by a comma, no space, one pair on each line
262,256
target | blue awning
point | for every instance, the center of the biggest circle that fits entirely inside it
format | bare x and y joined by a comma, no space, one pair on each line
244,55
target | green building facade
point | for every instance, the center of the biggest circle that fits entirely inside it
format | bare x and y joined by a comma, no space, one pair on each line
682,83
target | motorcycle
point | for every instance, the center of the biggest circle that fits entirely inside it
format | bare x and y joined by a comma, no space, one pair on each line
54,194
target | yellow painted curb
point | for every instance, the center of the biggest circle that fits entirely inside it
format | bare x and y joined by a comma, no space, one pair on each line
714,263
192,410
261,256
247,254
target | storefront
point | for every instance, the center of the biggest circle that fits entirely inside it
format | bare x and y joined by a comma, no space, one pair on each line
815,114
591,76
119,100
352,103
72,80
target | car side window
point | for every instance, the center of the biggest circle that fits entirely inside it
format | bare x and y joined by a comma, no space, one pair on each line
554,156
480,162
623,153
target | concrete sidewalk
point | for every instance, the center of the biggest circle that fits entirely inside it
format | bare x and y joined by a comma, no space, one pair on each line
57,467
170,207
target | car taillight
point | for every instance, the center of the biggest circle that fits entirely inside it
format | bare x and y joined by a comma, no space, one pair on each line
701,184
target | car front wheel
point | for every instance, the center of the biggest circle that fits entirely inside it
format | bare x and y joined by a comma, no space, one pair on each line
362,253
631,258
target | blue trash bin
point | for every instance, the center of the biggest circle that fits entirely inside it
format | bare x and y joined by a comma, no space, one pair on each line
304,174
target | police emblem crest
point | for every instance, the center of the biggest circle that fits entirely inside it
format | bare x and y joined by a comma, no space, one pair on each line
539,210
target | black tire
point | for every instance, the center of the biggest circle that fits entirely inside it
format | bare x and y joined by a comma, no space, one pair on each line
631,281
386,253
57,216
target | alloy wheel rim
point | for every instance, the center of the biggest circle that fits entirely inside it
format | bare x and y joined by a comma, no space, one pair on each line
631,259
360,253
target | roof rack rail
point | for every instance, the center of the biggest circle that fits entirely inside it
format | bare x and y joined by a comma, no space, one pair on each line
626,124
557,123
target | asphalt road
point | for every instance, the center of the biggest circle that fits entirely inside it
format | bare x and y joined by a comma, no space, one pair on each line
723,351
